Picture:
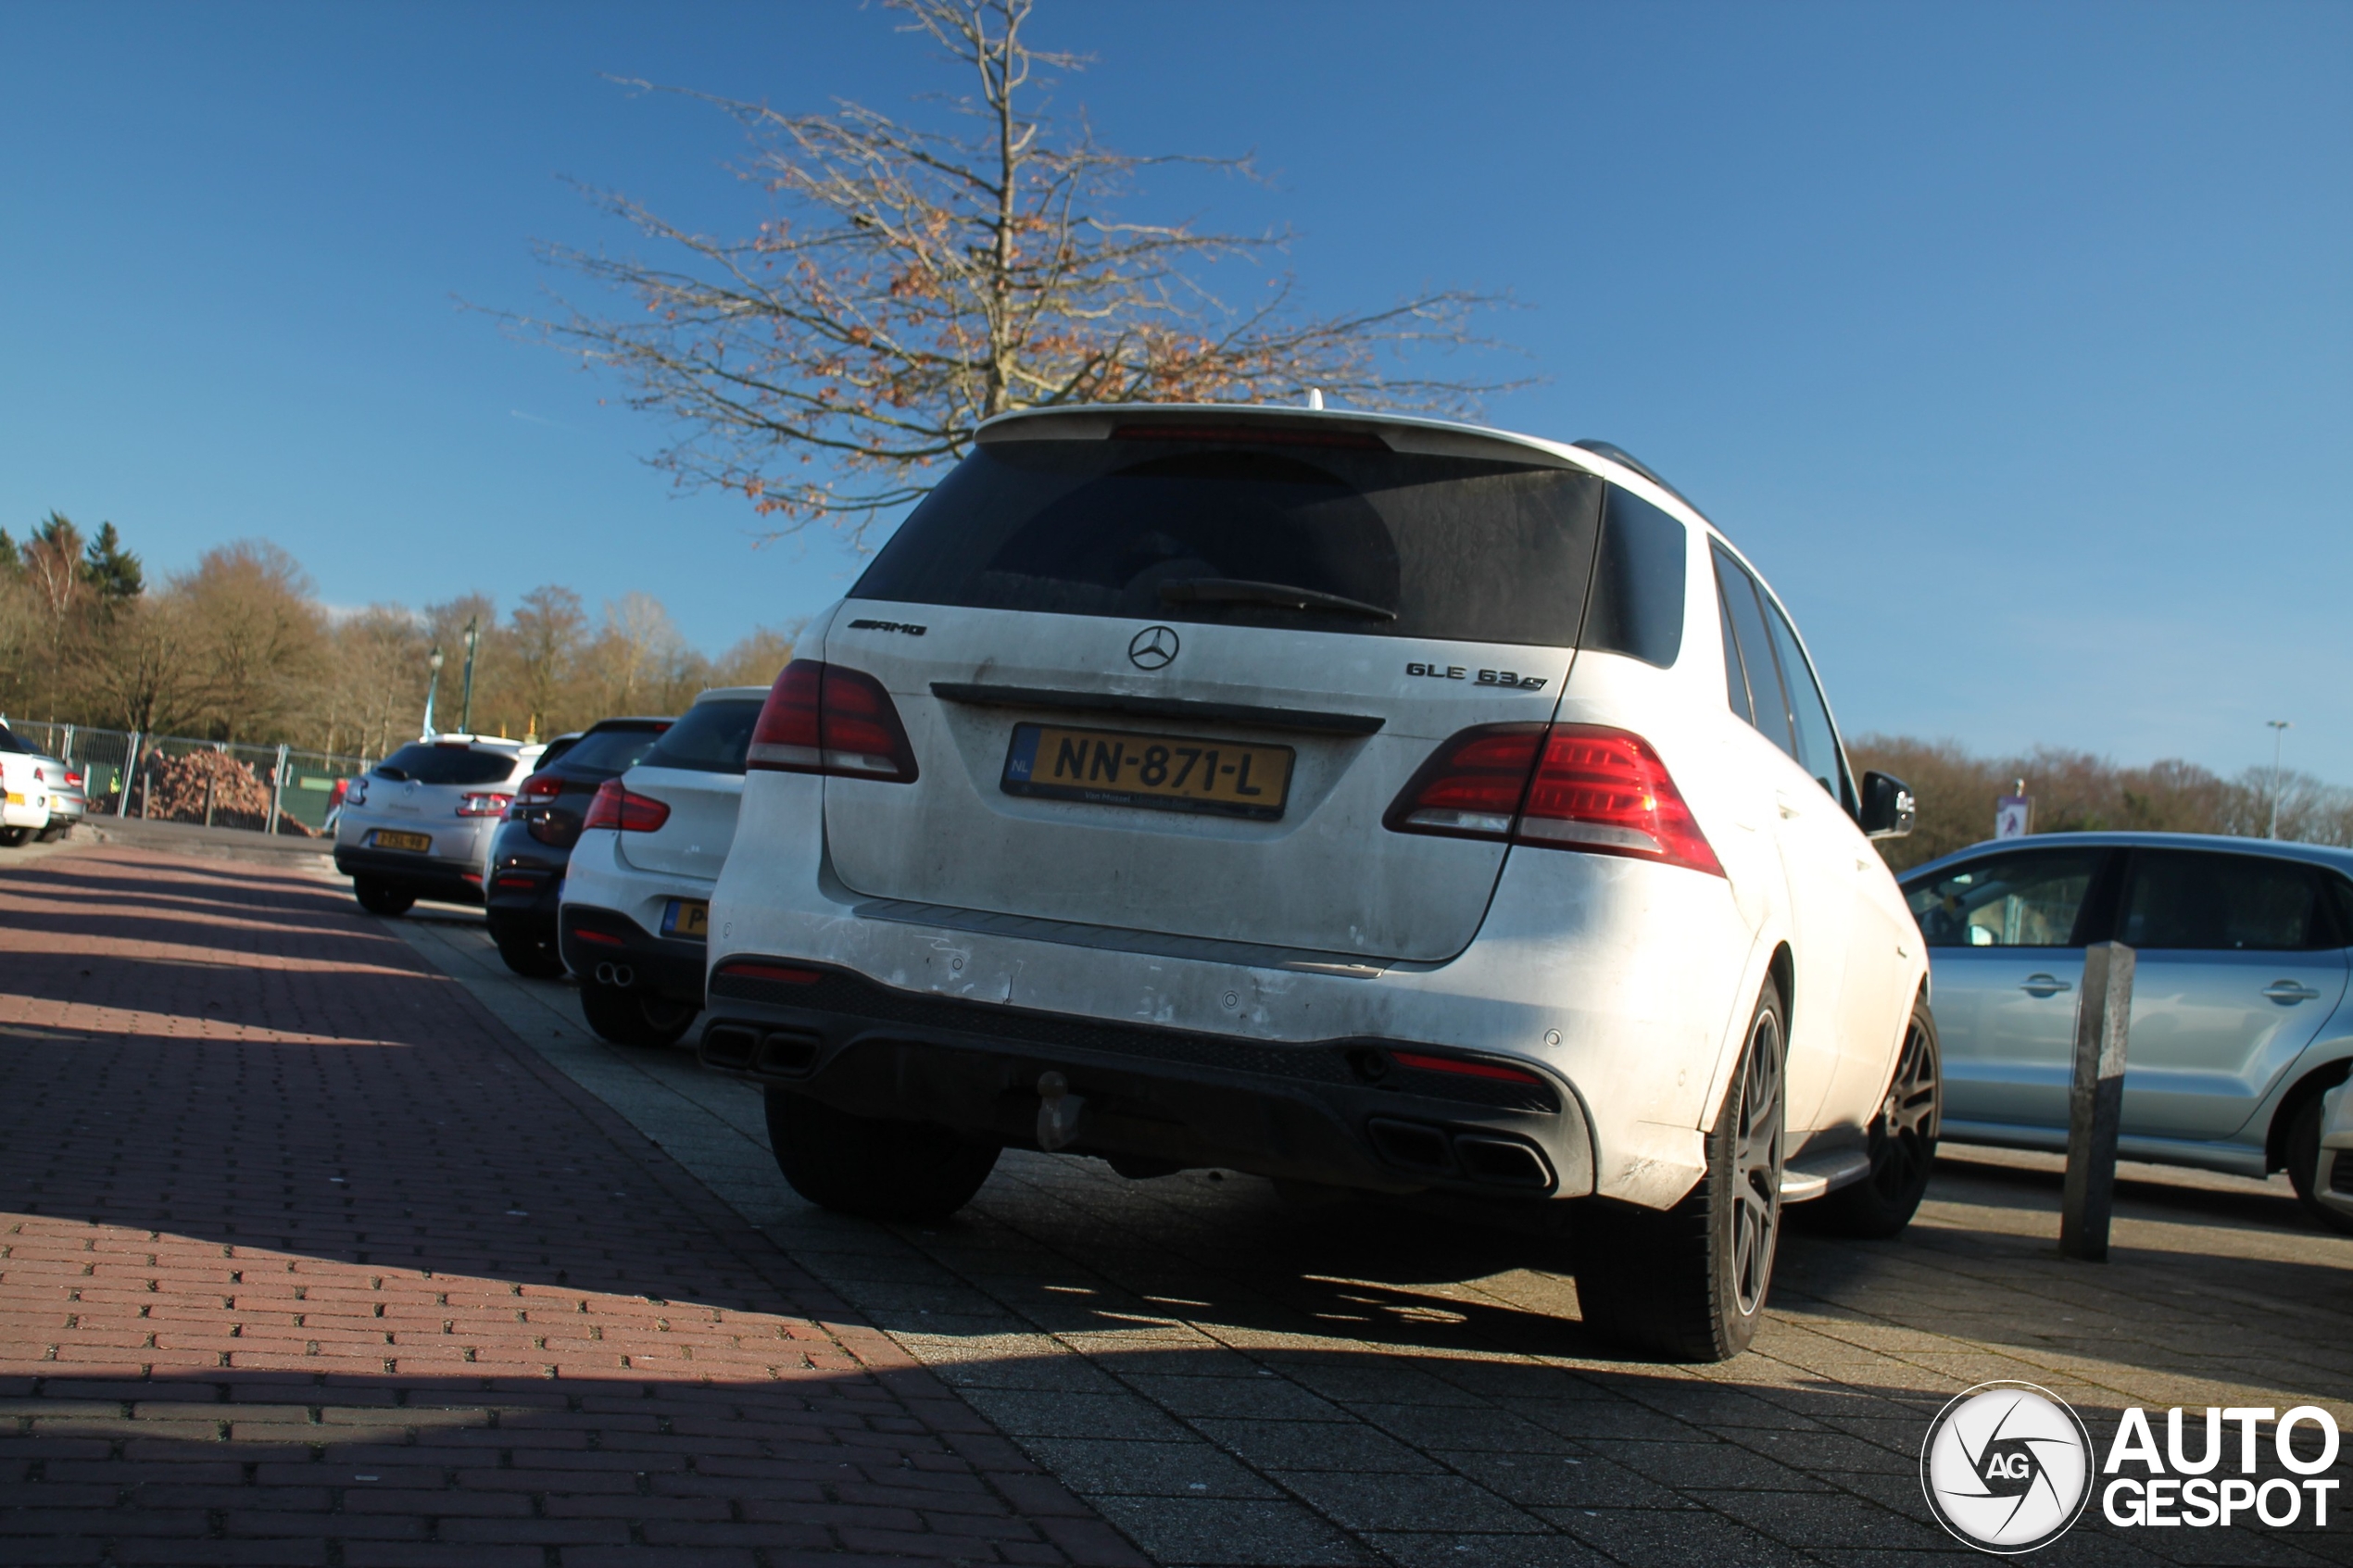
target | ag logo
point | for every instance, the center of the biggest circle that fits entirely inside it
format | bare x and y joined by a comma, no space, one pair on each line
2007,1467
1153,647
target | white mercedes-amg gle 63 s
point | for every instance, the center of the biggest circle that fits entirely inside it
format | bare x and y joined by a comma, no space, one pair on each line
1363,802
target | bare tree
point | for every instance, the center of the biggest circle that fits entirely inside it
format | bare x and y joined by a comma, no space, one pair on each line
922,281
380,679
547,629
637,652
140,674
262,635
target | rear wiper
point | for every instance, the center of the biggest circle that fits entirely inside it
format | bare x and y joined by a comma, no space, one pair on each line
1282,596
393,773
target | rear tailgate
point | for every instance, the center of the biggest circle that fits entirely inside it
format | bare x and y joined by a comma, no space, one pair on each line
1109,607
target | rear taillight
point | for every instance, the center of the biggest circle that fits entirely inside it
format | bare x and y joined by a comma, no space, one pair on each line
616,808
538,789
484,804
1556,787
355,792
74,780
823,718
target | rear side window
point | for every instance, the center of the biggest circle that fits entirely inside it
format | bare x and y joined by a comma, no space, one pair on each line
1817,750
1178,529
615,751
1638,582
711,738
2229,903
1759,699
2026,899
427,762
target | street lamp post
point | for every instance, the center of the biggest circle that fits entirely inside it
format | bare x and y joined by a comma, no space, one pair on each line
432,662
2279,728
466,705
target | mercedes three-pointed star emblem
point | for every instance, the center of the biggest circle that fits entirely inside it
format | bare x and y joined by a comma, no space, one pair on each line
1153,647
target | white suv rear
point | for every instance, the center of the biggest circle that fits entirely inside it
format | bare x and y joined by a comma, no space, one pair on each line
1364,802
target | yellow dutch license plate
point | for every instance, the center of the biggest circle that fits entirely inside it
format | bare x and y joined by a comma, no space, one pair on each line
1162,772
687,917
386,839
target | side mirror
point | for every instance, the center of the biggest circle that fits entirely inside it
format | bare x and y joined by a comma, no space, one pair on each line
1888,808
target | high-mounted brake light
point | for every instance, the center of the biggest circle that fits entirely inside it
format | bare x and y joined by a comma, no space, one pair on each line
484,804
824,719
617,807
1556,786
1253,435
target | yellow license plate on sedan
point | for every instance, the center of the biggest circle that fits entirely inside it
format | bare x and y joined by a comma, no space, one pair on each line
386,839
687,917
1162,772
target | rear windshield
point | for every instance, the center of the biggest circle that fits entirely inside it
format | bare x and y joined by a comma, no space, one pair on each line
429,763
709,739
8,742
613,751
1179,529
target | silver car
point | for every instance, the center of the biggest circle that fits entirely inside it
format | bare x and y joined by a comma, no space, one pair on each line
2240,1021
418,824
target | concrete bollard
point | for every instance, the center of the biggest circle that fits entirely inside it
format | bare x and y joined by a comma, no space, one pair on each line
2095,1101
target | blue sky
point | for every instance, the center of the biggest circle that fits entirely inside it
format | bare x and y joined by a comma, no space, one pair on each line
2011,341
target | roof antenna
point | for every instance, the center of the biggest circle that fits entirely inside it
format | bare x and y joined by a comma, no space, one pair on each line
1315,397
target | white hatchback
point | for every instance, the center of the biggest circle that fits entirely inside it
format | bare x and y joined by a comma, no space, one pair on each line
638,887
1364,802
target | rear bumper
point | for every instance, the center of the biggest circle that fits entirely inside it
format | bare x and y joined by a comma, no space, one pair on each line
449,882
1337,1112
589,937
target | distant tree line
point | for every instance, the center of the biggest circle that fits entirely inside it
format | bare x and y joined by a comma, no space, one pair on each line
239,648
2074,791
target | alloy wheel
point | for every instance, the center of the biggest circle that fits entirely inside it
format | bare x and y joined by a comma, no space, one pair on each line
1757,1156
1903,1136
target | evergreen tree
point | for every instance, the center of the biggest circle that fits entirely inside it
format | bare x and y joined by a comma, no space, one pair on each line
111,570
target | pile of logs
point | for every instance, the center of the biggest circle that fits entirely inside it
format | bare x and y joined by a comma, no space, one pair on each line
182,789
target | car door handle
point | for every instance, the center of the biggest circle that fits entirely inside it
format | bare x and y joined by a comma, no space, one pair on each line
2287,992
2044,986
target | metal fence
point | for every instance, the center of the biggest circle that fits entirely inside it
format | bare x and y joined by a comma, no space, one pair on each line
174,778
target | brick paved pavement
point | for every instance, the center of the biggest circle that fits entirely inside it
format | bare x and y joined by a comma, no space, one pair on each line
303,1260
1225,1378
1233,1381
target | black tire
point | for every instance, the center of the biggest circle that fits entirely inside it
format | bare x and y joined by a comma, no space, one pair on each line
1902,1145
53,832
876,1169
12,838
1689,1283
2303,1153
530,953
381,898
630,1015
